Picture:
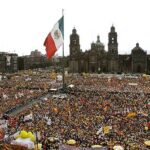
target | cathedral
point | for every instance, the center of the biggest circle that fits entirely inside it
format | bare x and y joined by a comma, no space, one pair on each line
98,60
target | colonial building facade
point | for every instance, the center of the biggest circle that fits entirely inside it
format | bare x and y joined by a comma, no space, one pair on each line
97,59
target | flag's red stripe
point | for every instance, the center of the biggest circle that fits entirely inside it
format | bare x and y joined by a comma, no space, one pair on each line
50,46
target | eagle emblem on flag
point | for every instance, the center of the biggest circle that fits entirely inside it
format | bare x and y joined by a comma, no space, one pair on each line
57,34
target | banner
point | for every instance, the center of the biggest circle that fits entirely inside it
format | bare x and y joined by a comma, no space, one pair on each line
8,58
28,117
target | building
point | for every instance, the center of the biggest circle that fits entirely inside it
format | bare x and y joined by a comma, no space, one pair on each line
35,59
2,62
97,59
8,62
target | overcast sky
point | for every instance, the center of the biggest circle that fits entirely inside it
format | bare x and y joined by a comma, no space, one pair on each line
24,24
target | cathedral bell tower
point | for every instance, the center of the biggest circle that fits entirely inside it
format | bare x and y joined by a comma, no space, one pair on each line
74,44
112,42
113,58
74,52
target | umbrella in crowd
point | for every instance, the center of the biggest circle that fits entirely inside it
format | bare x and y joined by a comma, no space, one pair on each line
96,146
118,147
71,142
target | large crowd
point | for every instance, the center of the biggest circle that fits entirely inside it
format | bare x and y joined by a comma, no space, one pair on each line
100,109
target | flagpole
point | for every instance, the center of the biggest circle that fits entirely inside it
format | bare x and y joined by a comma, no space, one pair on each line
63,58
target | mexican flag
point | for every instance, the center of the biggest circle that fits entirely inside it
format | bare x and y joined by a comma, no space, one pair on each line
55,38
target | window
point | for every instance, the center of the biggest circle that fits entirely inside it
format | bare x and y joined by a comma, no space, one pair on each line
112,40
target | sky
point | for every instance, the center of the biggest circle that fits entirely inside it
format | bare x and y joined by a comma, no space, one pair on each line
24,24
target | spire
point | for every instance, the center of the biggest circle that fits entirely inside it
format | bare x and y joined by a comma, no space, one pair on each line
98,39
112,28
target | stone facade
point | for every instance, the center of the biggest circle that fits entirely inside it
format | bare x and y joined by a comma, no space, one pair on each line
97,59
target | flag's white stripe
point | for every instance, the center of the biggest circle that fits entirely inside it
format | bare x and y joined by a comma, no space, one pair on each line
57,36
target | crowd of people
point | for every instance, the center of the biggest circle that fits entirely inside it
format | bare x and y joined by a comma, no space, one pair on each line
18,89
100,109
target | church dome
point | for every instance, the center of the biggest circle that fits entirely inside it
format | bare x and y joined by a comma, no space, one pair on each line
137,49
92,45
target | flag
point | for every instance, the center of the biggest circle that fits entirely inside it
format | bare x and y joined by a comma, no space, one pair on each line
55,38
